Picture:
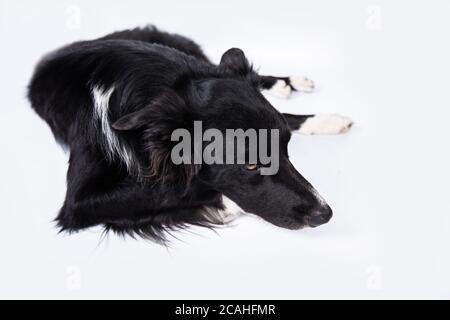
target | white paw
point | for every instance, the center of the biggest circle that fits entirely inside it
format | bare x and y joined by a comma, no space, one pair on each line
302,84
326,124
280,90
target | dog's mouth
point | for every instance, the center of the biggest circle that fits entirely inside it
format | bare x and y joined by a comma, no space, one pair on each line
294,222
313,220
298,221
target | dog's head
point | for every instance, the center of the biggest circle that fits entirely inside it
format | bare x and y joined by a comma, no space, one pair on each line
229,98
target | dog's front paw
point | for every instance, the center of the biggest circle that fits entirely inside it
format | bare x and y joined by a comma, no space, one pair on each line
326,124
280,90
301,84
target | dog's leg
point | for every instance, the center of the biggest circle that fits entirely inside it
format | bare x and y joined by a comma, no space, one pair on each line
318,124
282,87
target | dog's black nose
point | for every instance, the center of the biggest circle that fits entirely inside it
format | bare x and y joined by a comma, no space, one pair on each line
320,216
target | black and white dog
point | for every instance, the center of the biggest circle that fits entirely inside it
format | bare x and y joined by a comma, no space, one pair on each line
115,101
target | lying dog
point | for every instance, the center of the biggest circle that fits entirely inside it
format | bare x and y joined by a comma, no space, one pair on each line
115,101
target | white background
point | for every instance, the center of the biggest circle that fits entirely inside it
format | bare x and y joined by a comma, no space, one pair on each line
383,63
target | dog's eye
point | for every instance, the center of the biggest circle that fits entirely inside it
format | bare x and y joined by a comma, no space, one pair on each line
251,167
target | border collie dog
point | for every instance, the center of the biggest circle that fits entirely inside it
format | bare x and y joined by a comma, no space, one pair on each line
114,103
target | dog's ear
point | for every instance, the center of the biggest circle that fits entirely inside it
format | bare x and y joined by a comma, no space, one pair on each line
155,124
161,110
234,59
134,120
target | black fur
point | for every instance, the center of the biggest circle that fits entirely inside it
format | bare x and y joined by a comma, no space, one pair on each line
160,82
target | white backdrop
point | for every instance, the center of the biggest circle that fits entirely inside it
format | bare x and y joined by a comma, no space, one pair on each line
383,63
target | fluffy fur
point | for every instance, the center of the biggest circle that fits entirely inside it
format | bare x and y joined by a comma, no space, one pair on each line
114,103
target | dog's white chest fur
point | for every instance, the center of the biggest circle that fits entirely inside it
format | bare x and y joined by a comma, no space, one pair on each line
231,210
